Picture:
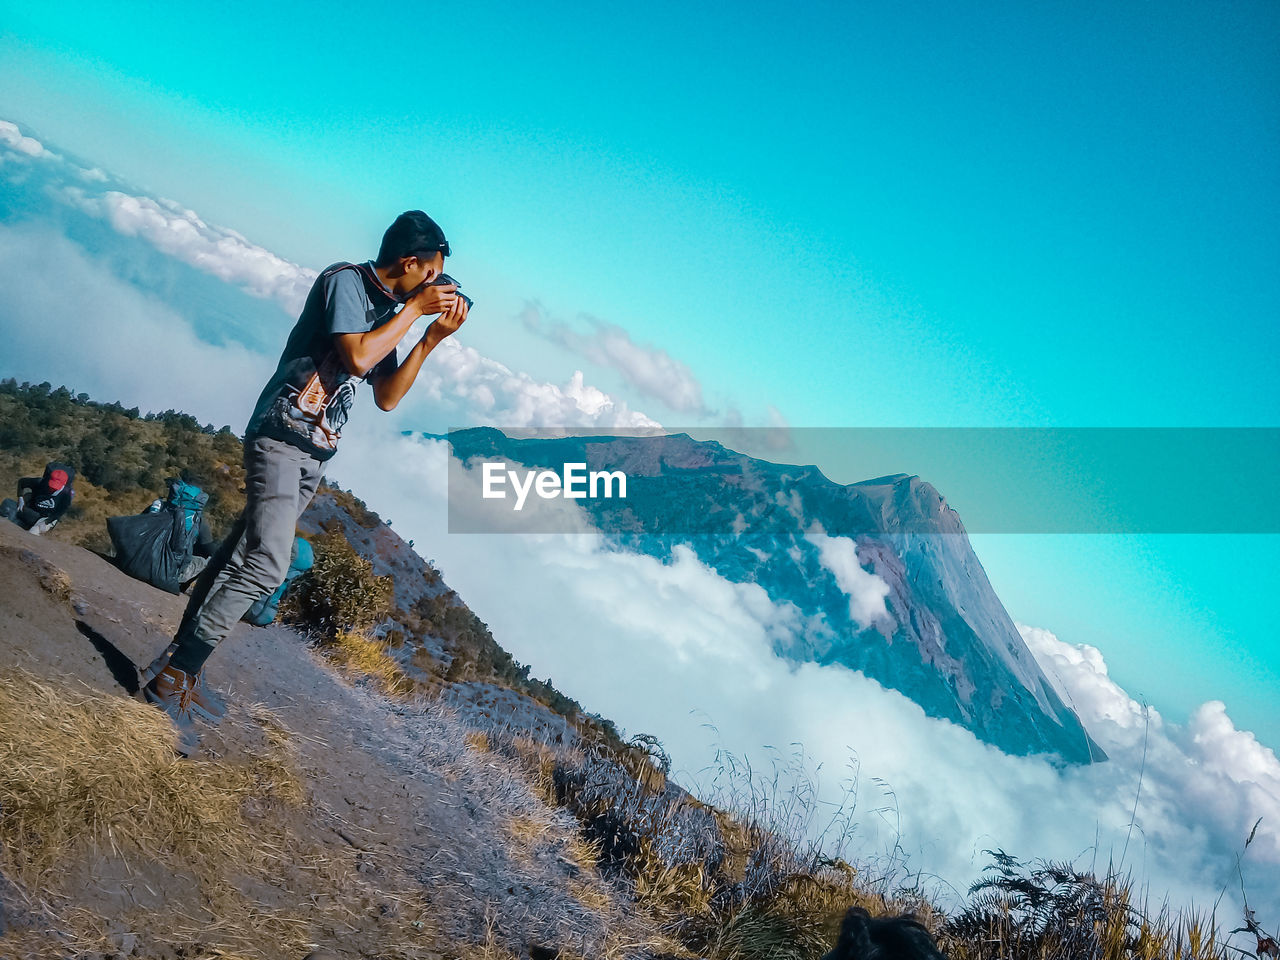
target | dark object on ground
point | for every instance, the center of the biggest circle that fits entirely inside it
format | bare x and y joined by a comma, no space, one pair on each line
863,937
264,609
157,546
41,500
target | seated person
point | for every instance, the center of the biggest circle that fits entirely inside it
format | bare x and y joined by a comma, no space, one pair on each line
41,500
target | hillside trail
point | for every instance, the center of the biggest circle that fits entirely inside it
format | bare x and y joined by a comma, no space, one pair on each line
393,789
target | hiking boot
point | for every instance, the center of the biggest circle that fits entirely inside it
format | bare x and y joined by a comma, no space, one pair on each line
171,691
205,702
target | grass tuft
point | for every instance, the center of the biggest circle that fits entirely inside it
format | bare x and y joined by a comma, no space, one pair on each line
89,769
363,656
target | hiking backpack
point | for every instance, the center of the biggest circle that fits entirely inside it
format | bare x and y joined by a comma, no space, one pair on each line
156,546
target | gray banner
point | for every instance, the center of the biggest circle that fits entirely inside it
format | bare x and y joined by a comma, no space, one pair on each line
852,481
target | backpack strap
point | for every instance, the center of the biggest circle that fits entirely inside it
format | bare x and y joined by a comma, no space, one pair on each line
367,273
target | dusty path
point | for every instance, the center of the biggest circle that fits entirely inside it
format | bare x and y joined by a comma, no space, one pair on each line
392,789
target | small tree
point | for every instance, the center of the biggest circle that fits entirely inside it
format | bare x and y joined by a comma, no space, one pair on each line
340,593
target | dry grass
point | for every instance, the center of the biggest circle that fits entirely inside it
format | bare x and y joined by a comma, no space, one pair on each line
77,768
528,831
591,895
585,853
88,778
53,581
87,775
1051,911
478,741
362,656
276,764
491,948
671,891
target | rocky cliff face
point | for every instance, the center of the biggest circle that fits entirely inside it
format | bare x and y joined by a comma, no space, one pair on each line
943,638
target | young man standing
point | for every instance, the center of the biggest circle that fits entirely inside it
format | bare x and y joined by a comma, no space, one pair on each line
348,330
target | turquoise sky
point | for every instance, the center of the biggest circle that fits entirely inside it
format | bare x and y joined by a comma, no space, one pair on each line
862,215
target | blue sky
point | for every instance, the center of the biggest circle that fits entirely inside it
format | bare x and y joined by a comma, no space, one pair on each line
893,214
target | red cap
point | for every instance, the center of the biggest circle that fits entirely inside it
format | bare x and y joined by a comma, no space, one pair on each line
57,479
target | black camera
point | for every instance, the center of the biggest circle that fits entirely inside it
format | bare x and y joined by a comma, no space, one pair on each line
445,279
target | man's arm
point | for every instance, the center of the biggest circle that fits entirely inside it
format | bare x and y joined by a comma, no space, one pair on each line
361,352
28,483
389,388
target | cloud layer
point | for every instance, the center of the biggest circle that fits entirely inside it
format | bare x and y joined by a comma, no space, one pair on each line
479,389
17,142
179,232
652,371
112,340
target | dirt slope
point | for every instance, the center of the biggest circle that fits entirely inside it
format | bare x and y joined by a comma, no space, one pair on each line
402,841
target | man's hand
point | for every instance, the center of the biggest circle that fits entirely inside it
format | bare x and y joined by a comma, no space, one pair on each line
389,389
433,299
449,321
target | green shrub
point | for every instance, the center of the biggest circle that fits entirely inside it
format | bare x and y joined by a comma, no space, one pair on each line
340,593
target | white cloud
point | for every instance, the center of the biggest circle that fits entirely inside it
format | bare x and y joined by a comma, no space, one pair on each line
218,251
650,370
111,340
479,389
866,591
168,226
1079,676
13,138
1233,757
648,643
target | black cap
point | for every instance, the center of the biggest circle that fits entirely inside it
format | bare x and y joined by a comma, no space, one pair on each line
411,235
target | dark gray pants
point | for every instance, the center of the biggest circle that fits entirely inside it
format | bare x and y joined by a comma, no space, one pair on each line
279,481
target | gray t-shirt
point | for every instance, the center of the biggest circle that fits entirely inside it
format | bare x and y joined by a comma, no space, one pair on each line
307,400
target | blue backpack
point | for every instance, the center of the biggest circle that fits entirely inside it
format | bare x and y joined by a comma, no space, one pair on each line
264,609
189,499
